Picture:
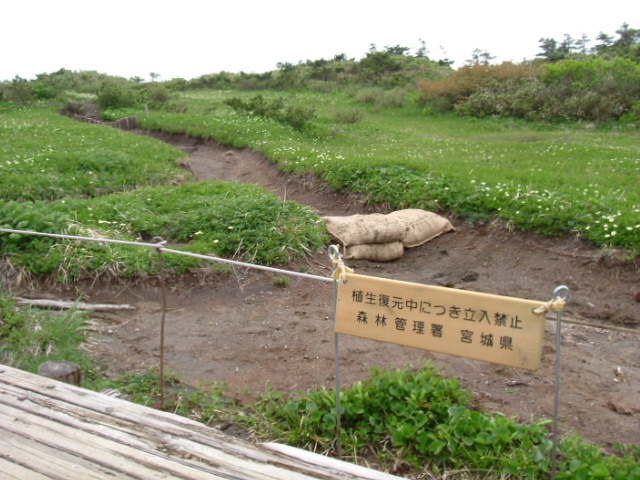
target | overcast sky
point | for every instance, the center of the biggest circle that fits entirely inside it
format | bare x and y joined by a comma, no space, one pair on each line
188,38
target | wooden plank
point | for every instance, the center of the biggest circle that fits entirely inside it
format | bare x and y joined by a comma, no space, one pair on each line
482,326
88,403
82,419
215,447
14,471
133,462
315,460
62,305
146,430
76,417
54,463
257,470
231,463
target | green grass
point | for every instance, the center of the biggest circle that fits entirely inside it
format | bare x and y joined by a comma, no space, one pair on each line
45,156
30,337
412,420
552,179
220,218
405,420
58,175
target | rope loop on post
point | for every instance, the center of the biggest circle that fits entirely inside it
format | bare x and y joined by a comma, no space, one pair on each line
340,271
159,242
557,304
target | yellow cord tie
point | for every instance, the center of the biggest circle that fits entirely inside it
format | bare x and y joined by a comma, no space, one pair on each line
341,270
555,305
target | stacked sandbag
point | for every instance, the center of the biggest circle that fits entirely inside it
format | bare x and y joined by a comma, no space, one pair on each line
383,238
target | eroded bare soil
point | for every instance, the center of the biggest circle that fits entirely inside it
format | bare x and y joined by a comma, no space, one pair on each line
252,334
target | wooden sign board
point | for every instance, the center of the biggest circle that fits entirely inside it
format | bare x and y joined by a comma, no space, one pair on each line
487,327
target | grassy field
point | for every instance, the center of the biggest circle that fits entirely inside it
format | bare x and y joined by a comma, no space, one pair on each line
45,156
547,178
61,176
58,175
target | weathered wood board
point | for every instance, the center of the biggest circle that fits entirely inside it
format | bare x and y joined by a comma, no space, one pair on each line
476,325
52,430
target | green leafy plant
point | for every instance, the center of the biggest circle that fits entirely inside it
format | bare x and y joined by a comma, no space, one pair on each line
415,419
297,117
281,281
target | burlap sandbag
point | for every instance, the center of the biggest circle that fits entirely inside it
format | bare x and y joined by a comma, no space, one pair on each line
420,226
376,252
412,227
363,229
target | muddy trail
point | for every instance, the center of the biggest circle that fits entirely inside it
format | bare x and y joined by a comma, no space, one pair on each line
251,333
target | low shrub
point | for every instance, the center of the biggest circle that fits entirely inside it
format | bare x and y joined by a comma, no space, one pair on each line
381,97
419,419
352,115
296,117
591,89
112,96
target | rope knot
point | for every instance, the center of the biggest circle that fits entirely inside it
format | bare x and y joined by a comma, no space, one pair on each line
340,271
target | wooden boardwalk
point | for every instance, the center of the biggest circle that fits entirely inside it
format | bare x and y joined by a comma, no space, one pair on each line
51,430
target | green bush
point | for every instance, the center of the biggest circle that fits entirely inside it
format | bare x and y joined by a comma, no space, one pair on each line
156,95
296,117
19,91
112,96
421,419
352,115
370,95
592,89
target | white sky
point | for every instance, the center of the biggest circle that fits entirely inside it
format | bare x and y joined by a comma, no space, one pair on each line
188,38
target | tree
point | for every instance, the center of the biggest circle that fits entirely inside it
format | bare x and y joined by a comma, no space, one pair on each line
551,51
604,45
285,66
422,51
396,50
478,57
581,44
567,46
154,76
444,62
19,91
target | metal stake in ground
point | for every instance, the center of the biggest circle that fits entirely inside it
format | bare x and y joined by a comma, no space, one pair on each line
560,297
161,280
336,258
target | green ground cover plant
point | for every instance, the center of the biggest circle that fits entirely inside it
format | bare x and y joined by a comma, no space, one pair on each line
45,156
30,337
408,420
547,178
59,175
220,218
413,420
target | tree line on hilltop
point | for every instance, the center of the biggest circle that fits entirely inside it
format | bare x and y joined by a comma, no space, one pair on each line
568,80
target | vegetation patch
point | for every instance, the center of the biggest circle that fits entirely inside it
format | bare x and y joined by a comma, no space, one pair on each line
297,117
45,156
551,179
29,337
219,218
415,420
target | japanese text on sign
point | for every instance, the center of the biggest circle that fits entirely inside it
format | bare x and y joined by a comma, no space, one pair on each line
486,327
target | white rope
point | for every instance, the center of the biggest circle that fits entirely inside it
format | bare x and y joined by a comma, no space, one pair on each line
160,246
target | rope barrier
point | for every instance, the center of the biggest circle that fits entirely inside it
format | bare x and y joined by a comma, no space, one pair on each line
555,305
160,247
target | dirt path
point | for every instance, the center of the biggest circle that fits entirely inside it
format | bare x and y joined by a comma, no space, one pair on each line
245,330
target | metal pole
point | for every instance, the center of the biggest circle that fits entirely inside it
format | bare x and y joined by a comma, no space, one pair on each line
334,254
338,407
556,402
161,281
